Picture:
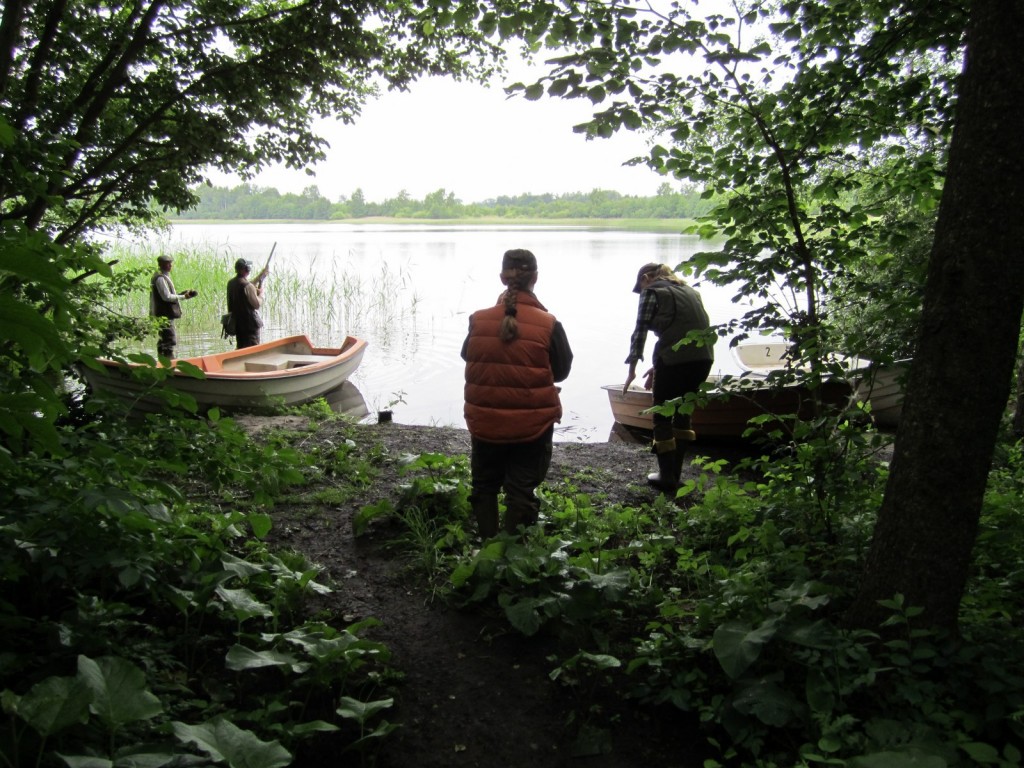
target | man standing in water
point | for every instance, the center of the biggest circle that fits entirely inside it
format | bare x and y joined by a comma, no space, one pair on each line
515,353
244,301
165,303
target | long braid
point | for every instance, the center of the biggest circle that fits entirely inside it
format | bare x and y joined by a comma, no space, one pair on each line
509,326
518,273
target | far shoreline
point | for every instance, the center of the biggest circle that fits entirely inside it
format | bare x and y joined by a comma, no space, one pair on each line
657,226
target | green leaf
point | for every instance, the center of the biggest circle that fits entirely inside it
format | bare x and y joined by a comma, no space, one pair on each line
226,742
260,524
766,701
361,711
602,660
243,604
737,646
119,693
524,616
313,726
86,761
981,753
239,657
55,704
908,759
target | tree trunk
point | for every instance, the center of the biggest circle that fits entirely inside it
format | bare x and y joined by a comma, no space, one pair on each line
959,383
1018,411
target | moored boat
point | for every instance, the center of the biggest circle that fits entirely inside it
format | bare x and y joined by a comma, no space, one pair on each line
284,372
730,407
762,357
878,385
881,386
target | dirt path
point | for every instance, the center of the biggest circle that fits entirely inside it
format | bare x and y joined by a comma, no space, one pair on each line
473,693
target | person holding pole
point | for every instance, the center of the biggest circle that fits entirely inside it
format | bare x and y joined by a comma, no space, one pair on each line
244,301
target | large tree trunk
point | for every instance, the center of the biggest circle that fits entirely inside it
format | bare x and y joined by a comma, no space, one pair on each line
959,384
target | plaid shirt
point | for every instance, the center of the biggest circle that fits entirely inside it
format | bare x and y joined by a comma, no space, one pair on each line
644,317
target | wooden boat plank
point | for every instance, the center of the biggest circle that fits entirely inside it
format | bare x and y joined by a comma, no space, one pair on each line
283,362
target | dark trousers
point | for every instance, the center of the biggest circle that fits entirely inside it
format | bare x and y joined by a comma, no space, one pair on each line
518,468
670,382
248,339
167,340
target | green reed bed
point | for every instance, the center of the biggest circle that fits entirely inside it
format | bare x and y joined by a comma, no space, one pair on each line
325,303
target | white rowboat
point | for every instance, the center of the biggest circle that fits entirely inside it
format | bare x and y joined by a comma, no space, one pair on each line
284,372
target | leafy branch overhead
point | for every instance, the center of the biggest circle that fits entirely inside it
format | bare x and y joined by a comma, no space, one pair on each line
806,121
109,109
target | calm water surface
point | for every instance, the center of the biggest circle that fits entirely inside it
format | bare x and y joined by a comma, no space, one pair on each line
410,290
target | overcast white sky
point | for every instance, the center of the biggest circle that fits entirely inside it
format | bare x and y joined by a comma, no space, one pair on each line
471,140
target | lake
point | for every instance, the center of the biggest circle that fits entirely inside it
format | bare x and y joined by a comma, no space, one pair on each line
409,291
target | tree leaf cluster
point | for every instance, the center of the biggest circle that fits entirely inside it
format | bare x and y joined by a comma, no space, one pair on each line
108,110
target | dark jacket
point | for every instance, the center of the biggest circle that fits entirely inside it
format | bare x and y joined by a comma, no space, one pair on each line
510,391
680,310
161,308
247,319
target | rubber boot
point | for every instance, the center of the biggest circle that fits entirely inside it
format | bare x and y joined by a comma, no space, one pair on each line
684,439
518,513
669,469
485,510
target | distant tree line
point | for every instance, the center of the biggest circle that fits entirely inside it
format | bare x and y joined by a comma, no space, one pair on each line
247,201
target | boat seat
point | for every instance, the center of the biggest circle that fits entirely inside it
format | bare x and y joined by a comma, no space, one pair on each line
282,361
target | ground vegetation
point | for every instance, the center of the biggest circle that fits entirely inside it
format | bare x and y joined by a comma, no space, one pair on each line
149,616
810,120
282,590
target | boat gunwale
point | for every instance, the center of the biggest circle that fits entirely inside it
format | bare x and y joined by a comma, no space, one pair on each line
338,356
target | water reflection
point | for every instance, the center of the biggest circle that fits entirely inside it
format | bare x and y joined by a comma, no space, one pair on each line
348,400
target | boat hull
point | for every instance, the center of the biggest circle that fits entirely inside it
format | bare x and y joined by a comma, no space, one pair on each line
284,372
727,416
882,388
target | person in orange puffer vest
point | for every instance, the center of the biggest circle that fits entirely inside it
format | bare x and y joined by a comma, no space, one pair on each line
515,353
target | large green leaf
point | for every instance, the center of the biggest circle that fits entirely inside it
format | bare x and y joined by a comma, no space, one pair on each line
54,704
362,711
768,702
908,759
737,645
240,657
226,742
243,604
118,690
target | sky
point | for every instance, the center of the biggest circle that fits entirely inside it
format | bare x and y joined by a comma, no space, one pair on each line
471,140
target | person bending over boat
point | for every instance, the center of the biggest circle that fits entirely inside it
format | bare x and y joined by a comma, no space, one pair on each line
515,352
670,308
166,303
244,300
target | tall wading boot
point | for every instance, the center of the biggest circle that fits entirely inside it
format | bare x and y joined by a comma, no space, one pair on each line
485,510
669,468
684,438
518,512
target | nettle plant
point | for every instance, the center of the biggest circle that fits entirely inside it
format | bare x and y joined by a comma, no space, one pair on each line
729,608
144,627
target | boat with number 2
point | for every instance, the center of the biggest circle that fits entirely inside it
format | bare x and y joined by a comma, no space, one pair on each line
730,406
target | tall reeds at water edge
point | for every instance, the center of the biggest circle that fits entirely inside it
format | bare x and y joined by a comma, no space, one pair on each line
326,304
